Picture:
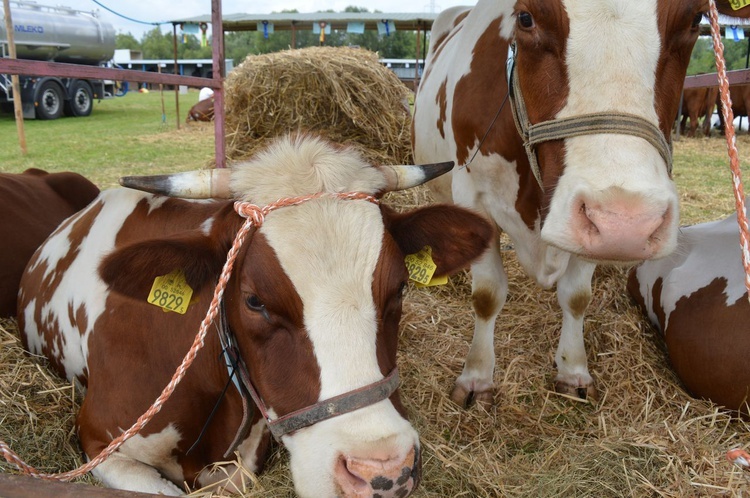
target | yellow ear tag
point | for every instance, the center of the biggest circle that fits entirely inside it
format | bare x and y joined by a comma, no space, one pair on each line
441,280
738,4
171,292
421,268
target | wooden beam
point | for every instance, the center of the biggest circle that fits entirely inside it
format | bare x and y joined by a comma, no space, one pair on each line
736,77
18,486
41,68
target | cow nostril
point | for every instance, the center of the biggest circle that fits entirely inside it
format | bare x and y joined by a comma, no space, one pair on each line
350,478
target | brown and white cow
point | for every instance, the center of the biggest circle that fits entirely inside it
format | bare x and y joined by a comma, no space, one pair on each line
597,195
698,103
697,298
740,96
202,111
32,205
313,303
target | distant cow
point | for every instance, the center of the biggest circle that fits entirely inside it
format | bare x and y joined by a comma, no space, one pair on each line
568,152
32,205
698,103
313,306
697,298
740,95
202,111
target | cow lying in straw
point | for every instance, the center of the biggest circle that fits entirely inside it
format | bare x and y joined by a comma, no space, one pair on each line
32,205
697,298
310,313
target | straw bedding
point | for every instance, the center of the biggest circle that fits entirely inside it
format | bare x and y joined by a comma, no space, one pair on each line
644,436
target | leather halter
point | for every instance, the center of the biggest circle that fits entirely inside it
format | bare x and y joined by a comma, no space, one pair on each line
298,419
338,405
574,126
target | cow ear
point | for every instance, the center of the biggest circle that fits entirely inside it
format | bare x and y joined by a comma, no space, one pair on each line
131,269
456,235
74,188
725,7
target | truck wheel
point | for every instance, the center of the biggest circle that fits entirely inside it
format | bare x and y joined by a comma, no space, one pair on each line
49,101
81,102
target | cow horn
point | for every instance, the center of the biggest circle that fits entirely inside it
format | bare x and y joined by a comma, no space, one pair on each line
407,176
200,184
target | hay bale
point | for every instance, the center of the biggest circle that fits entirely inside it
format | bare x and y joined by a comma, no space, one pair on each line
343,93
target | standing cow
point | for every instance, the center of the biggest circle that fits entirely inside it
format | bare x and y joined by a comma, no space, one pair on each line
574,163
312,307
697,299
32,205
740,96
698,103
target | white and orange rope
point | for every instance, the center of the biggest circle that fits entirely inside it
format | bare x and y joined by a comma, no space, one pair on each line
734,160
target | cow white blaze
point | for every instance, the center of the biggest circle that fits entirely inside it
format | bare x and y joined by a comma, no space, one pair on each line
615,199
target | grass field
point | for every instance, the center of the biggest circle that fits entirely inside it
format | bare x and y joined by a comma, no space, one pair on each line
645,437
123,136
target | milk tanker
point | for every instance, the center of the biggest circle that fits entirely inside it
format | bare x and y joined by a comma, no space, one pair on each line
56,34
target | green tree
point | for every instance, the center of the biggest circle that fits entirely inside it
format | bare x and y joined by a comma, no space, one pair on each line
238,45
157,45
126,41
702,59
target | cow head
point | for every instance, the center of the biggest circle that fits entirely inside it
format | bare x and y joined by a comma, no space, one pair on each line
606,196
314,302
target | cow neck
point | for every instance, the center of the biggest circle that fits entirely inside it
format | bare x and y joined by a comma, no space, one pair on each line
575,126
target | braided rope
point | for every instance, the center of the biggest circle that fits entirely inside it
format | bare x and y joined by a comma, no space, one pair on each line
734,161
255,217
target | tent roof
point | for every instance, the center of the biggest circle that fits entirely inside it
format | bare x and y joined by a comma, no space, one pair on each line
337,20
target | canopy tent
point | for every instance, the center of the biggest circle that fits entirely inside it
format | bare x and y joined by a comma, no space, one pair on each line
336,20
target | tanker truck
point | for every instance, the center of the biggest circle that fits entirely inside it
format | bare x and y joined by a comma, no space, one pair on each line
56,34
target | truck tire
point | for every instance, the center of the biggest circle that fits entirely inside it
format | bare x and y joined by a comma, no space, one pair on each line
49,101
81,100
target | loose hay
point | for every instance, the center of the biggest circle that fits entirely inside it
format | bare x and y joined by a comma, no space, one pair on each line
343,93
644,436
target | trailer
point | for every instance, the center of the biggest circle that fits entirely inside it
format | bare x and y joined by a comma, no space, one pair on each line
56,34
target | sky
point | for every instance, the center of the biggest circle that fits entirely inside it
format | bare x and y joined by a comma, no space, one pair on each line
165,10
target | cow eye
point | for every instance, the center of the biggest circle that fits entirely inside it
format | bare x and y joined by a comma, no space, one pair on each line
525,20
254,303
697,19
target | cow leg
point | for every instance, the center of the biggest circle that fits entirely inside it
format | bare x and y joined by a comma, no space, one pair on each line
122,472
574,295
489,290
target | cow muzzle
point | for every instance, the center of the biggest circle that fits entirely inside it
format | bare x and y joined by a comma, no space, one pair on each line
387,478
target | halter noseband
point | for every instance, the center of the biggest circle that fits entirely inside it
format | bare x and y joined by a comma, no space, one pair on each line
574,126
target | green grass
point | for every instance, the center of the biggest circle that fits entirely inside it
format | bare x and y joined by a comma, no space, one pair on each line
123,136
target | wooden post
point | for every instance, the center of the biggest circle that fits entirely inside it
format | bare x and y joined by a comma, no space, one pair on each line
176,87
17,104
416,65
217,36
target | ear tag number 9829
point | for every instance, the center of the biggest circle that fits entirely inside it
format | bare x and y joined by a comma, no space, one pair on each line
421,268
171,292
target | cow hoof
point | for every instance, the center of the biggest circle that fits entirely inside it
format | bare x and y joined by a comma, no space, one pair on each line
587,392
465,397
